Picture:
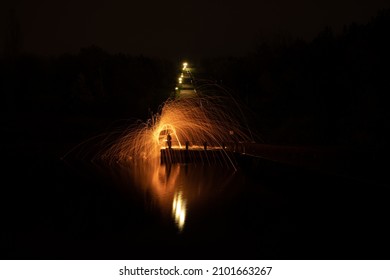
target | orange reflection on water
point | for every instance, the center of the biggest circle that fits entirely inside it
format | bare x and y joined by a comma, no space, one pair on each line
163,183
167,192
166,189
179,209
174,190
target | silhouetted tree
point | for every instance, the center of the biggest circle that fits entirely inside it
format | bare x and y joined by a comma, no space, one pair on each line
327,91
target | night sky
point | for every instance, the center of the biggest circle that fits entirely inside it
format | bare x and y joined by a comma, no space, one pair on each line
172,29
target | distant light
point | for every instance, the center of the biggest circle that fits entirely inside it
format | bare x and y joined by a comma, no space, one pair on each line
185,65
176,88
180,80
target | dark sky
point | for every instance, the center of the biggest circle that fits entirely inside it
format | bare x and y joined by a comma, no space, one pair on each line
175,29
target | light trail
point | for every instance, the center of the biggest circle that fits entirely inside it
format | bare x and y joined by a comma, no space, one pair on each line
207,115
192,119
210,119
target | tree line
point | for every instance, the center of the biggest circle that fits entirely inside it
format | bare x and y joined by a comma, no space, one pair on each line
331,90
92,82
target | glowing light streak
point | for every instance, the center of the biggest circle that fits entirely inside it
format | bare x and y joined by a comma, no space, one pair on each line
179,209
199,117
195,119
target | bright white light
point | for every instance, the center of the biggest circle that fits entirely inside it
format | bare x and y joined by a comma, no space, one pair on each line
179,209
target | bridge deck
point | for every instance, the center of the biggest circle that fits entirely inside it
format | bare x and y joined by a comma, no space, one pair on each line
209,156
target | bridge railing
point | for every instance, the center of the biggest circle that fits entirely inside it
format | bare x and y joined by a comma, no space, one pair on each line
238,147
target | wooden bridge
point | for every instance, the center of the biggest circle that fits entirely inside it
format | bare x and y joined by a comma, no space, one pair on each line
205,155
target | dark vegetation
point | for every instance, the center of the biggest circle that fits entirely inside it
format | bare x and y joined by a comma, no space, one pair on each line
330,91
67,99
91,83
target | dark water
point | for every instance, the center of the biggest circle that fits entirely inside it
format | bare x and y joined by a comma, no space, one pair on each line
192,211
55,209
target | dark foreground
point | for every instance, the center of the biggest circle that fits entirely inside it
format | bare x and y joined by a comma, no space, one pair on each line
56,209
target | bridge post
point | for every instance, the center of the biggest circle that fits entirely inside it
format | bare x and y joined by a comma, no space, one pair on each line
187,155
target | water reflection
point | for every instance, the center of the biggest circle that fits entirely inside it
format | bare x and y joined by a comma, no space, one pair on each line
176,192
179,209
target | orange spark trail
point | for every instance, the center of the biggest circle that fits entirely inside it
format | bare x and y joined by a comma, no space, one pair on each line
195,119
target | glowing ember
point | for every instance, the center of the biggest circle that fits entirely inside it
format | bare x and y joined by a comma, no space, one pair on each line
194,119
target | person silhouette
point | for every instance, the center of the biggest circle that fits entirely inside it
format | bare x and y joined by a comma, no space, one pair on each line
169,141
